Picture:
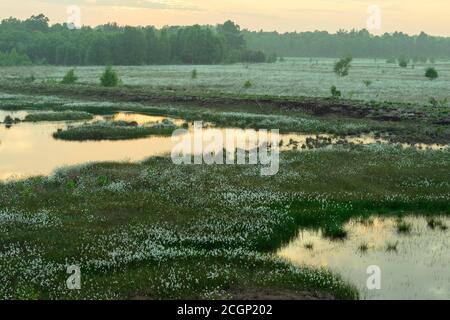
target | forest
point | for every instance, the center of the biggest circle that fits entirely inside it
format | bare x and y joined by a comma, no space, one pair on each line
35,41
360,44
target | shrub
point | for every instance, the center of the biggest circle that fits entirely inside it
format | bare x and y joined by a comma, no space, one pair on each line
109,78
403,62
8,120
431,73
342,67
70,77
335,93
194,74
247,84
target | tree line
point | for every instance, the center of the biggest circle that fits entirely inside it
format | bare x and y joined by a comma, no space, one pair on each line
34,41
361,44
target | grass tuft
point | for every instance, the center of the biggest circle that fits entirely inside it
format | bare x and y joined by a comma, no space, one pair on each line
392,247
403,227
309,246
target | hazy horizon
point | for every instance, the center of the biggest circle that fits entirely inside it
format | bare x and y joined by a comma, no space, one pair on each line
410,17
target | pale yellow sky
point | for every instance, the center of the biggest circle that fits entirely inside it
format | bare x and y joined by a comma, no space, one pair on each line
411,16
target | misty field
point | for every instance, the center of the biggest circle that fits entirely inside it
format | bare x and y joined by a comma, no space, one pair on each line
369,79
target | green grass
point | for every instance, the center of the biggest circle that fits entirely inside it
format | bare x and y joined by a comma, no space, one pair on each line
58,116
104,130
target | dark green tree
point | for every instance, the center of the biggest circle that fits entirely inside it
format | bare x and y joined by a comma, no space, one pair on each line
109,78
431,73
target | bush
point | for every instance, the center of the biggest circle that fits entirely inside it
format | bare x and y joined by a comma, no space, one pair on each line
8,120
247,84
70,77
342,66
403,62
431,73
109,78
194,74
335,93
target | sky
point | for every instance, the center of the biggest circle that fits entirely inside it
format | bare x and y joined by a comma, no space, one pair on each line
379,16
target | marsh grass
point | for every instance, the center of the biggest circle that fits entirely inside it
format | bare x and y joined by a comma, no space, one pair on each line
58,116
147,215
392,247
363,247
103,130
267,113
436,223
335,232
158,230
403,227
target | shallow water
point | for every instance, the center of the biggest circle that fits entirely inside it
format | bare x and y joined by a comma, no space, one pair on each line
28,149
418,269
